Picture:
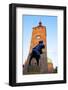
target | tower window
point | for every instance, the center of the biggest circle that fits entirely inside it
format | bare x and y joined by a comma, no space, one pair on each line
38,37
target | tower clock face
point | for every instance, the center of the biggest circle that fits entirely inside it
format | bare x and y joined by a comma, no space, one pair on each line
38,36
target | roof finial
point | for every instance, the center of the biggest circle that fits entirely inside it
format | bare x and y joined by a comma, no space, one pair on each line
40,23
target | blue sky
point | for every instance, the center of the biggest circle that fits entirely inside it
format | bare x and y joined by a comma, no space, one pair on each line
30,21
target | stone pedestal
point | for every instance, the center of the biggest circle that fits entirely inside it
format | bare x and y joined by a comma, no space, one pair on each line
33,68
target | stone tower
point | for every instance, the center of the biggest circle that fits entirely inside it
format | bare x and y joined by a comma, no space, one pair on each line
38,34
